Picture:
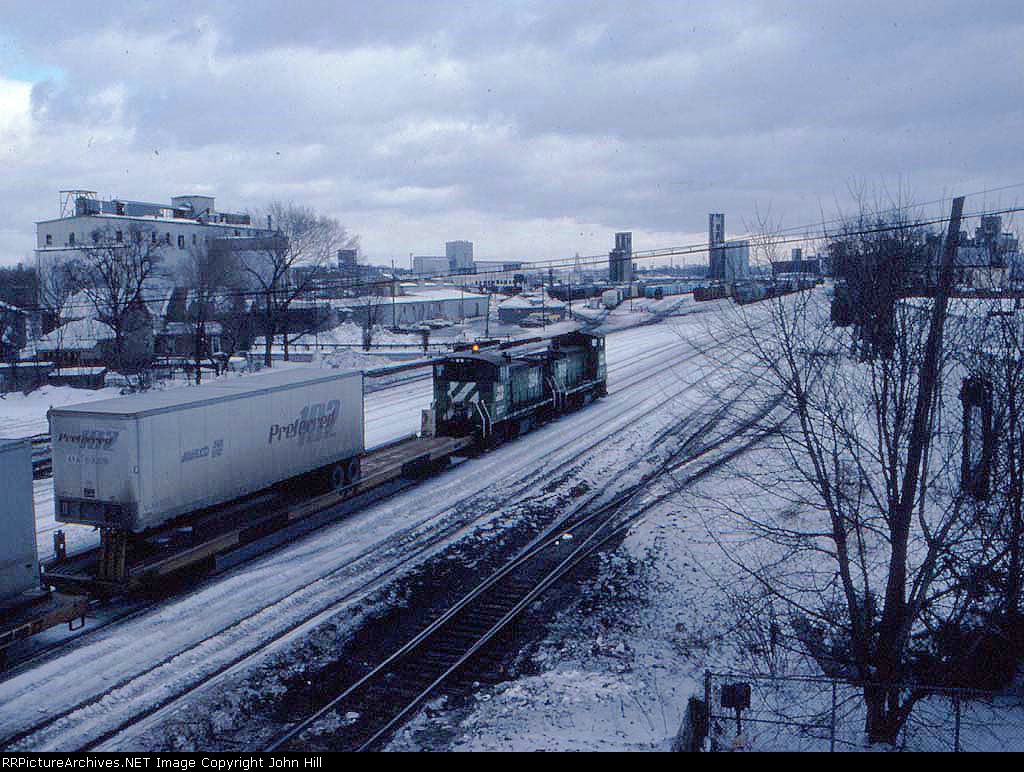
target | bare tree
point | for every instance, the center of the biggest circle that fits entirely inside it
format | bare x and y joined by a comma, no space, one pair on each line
210,275
286,266
111,273
993,453
371,310
56,287
873,544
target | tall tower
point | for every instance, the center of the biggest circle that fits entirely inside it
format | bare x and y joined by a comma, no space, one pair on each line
620,259
716,242
460,255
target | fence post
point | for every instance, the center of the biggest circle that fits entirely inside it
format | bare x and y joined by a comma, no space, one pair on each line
832,728
956,731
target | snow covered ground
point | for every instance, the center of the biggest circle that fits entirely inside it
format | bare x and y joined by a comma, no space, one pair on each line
125,670
615,668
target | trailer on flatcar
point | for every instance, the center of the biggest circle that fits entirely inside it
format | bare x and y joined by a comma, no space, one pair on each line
26,606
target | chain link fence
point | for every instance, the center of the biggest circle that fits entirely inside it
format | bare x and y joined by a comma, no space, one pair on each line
775,713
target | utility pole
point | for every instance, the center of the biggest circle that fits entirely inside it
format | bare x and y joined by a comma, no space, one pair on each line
895,610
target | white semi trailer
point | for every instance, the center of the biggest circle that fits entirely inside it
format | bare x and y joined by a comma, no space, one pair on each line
134,463
19,571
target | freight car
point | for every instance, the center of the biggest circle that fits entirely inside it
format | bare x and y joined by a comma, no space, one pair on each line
611,298
492,396
751,292
714,292
26,607
660,291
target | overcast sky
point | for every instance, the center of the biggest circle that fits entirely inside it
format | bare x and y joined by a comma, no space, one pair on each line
534,129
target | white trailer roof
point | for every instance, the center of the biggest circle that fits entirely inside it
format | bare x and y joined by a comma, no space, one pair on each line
152,402
7,444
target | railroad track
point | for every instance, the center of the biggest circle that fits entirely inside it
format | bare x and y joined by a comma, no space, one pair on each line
377,703
109,740
356,565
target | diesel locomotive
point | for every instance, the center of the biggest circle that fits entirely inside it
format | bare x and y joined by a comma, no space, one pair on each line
496,395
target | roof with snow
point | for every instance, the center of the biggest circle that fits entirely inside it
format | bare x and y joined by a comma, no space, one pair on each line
75,336
532,301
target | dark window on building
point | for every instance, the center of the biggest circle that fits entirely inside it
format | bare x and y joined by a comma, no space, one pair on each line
154,237
181,242
194,239
119,236
49,239
71,239
167,238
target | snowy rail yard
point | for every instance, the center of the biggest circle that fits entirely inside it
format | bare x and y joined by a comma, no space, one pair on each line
152,665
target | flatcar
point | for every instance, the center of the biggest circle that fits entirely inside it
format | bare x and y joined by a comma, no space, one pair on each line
497,395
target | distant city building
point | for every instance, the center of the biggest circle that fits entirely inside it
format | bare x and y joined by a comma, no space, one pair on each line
985,261
430,265
811,266
728,261
736,265
491,275
185,223
460,255
620,259
348,259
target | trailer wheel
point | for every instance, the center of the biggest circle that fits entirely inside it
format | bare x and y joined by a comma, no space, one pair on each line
338,477
353,471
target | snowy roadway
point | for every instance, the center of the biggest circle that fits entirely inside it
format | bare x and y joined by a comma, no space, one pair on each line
131,669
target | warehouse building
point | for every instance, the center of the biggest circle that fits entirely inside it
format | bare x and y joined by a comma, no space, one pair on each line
443,303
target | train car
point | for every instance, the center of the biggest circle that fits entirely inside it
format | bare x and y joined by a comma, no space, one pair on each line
715,292
578,369
611,298
496,395
26,606
751,292
135,463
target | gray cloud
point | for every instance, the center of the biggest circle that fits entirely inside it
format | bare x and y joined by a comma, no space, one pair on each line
534,128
